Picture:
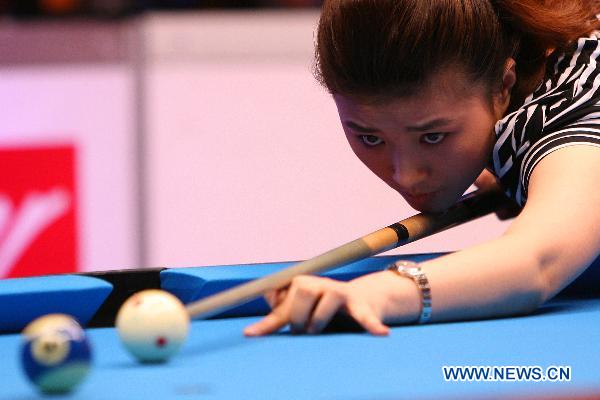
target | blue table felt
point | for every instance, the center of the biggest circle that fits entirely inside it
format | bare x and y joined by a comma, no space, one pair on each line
217,362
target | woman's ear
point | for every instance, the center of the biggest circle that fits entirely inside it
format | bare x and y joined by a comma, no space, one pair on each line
509,79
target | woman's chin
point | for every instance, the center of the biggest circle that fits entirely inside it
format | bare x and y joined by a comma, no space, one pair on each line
433,203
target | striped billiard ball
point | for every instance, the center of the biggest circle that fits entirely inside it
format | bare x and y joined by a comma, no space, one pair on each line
55,353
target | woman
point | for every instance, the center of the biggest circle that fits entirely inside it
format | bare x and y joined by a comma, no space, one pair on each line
435,95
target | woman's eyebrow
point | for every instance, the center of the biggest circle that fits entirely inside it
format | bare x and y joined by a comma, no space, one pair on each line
356,127
436,123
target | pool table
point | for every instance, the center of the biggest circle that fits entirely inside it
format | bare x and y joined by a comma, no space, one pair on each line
218,362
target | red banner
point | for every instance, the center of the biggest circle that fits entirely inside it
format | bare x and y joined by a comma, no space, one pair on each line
38,211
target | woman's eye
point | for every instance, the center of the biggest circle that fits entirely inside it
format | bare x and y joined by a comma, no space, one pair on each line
371,140
433,138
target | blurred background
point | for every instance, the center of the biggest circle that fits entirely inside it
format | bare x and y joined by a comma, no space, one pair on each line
121,8
176,133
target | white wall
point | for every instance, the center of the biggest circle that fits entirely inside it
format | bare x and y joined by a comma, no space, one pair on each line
246,160
76,88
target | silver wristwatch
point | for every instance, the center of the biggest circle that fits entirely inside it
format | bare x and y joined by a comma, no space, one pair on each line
409,269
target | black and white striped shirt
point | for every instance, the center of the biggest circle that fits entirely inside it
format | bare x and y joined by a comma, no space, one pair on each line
563,111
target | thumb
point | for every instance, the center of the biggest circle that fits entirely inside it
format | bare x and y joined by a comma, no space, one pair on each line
274,297
485,180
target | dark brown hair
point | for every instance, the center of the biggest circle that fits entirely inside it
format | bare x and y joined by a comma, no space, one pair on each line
379,49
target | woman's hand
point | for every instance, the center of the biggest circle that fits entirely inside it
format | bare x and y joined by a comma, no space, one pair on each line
310,302
486,180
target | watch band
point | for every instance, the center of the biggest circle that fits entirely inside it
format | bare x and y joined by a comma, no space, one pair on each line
413,271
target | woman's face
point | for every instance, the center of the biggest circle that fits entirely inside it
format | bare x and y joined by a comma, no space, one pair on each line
429,147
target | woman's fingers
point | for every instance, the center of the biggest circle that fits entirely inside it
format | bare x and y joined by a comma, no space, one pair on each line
277,318
327,307
292,305
303,301
364,315
511,210
275,297
310,303
270,298
269,324
486,180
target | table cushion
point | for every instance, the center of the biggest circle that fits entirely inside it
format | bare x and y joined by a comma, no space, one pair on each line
24,299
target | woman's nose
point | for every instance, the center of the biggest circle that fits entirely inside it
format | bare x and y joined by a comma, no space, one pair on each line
409,173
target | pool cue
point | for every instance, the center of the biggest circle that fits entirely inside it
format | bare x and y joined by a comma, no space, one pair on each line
470,207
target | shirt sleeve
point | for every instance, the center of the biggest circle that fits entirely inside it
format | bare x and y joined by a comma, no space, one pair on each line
563,111
585,131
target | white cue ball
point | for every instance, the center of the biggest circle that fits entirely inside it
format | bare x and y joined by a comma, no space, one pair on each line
152,324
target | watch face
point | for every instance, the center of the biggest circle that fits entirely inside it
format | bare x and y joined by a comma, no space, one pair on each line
407,268
406,264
